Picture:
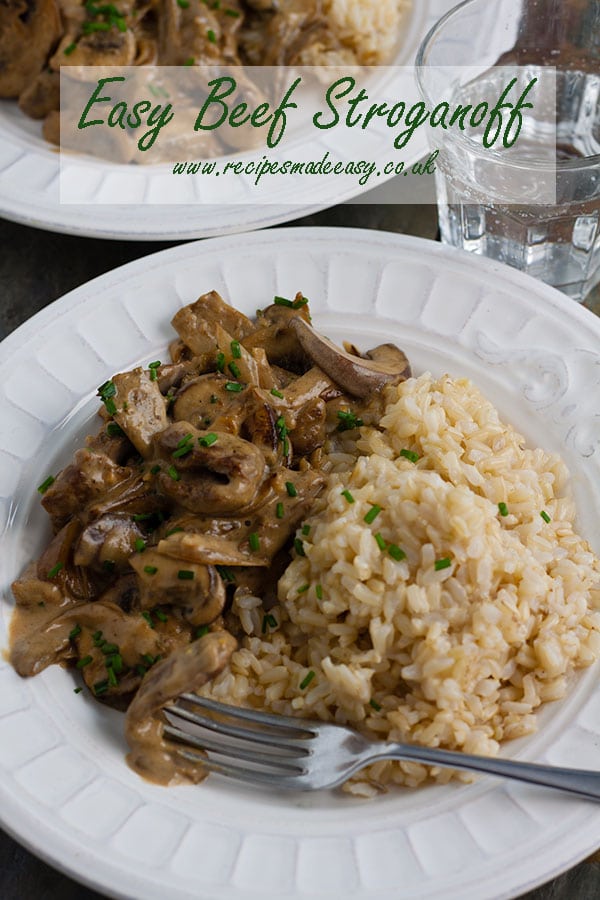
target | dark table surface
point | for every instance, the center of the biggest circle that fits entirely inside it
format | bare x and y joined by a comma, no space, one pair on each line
37,267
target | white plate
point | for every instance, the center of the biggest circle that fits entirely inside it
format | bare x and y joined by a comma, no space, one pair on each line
66,791
29,179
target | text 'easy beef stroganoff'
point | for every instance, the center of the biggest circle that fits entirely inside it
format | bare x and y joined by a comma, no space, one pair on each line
437,591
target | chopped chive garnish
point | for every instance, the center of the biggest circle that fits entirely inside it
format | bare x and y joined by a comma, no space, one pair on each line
236,350
234,369
183,4
226,574
91,27
150,570
140,545
141,517
299,547
372,514
375,705
211,36
77,690
112,678
300,302
141,670
173,473
380,541
220,361
160,615
277,393
283,301
106,390
114,430
503,509
444,563
208,440
410,455
291,489
189,61
55,570
70,49
155,470
234,387
185,575
545,516
254,541
396,552
173,531
319,592
280,511
348,421
107,648
116,663
101,687
233,13
148,659
182,451
148,618
76,631
46,484
185,440
303,589
348,496
110,406
271,620
306,530
200,632
286,446
97,638
82,663
307,680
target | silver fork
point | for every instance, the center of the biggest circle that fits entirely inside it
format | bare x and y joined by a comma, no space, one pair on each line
292,754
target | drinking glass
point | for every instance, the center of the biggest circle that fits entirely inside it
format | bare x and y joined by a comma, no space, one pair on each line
558,42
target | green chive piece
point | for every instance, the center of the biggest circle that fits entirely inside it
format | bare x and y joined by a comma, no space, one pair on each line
77,690
264,625
410,455
173,473
307,680
112,678
46,484
234,369
202,631
291,489
108,649
375,705
182,451
70,49
372,514
100,687
277,393
76,631
82,663
380,541
116,663
183,4
185,440
155,470
286,447
150,570
160,615
234,387
272,621
299,547
211,36
173,531
148,659
141,670
303,589
348,496
236,350
189,61
254,541
140,545
220,361
444,563
283,301
233,13
148,618
141,517
300,302
319,592
280,511
348,421
226,574
114,430
545,516
208,440
396,552
55,570
185,575
306,530
503,509
97,638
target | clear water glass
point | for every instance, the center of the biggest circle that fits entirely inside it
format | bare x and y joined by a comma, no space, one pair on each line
557,41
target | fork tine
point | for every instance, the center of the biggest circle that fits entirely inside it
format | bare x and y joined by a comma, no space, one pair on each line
284,782
206,743
233,731
283,723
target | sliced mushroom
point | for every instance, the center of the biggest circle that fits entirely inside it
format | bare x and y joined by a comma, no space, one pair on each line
140,408
356,375
108,541
198,590
41,96
90,475
58,566
207,549
184,671
309,429
221,476
29,29
196,323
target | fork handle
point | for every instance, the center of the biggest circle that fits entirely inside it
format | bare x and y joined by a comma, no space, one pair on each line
582,782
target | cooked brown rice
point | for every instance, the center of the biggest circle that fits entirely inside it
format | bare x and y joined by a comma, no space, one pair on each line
458,643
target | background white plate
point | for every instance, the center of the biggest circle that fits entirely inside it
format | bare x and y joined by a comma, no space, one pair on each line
65,790
29,178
